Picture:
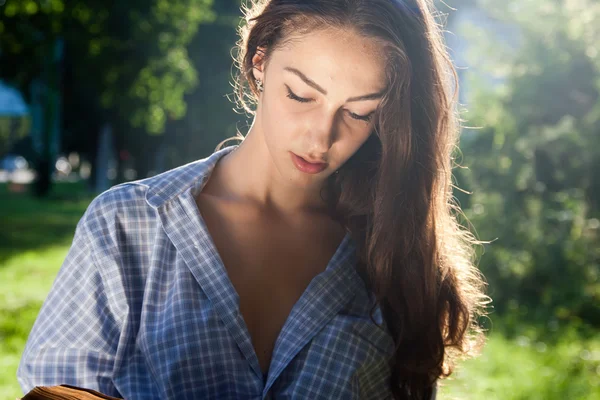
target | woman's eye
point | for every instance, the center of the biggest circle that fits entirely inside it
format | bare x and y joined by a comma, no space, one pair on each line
366,118
292,96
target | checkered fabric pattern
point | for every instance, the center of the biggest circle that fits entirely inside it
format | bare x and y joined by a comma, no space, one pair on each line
143,308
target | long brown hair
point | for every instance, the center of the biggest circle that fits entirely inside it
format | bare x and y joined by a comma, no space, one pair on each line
395,192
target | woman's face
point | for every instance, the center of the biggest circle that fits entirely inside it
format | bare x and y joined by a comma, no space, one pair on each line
320,93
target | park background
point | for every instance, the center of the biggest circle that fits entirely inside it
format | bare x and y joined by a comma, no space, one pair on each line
97,92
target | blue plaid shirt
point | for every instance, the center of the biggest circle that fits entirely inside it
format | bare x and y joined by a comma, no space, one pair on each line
143,308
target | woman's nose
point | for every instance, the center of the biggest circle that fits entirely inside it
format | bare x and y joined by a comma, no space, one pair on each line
322,133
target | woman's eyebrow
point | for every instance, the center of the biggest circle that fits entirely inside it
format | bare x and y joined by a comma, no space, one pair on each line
314,85
306,80
372,96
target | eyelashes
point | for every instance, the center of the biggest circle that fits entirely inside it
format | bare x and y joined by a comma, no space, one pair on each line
366,118
291,95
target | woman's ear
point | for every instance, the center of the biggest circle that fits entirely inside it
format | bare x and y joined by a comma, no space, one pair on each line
258,63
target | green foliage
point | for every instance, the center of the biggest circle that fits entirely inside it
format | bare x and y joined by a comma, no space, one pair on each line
527,369
12,129
211,118
131,55
534,160
157,72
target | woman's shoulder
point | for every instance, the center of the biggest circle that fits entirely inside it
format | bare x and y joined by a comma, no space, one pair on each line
130,213
153,192
159,189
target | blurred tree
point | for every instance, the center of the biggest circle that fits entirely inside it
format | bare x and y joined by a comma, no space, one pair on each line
535,161
126,62
211,118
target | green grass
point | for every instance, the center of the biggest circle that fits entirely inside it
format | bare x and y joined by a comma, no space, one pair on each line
29,223
522,370
25,280
36,238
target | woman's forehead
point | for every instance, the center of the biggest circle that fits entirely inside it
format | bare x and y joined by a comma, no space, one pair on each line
334,56
333,38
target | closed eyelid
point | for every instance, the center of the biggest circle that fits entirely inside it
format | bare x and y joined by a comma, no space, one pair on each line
359,117
362,115
353,115
294,96
371,96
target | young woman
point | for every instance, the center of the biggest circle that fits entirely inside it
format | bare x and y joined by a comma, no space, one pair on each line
319,259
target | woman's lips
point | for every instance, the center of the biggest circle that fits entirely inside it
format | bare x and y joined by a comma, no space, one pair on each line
307,167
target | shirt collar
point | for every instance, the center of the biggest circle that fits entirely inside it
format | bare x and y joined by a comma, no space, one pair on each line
326,295
164,187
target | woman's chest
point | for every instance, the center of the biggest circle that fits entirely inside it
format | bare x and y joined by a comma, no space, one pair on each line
192,348
270,264
187,332
269,273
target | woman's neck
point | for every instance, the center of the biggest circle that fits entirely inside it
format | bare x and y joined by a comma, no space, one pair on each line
248,174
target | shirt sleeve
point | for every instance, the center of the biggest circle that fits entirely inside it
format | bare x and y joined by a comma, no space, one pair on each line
75,337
